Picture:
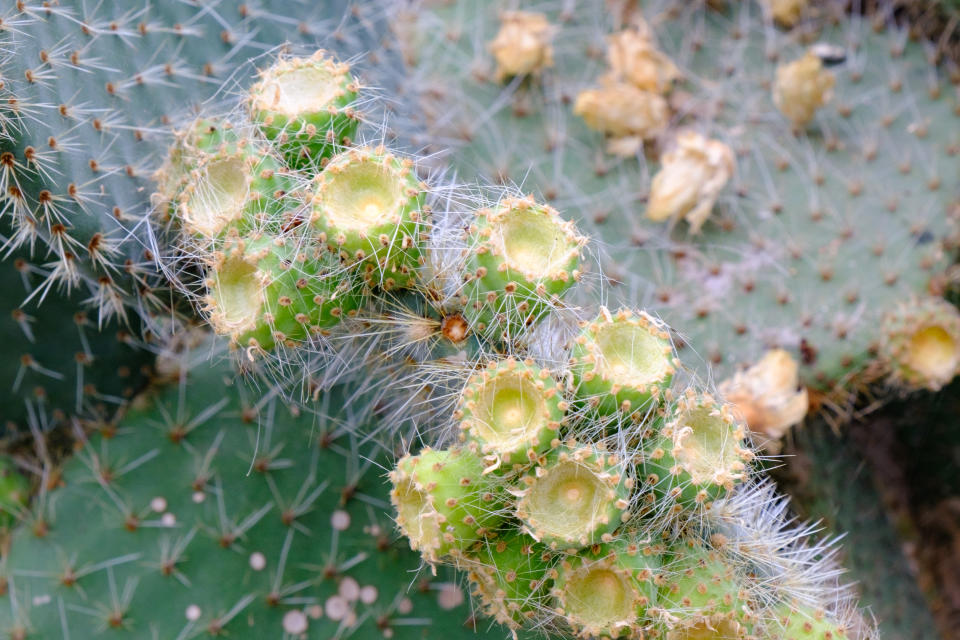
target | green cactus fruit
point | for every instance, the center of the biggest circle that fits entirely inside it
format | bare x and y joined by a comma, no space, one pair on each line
521,258
269,290
921,344
306,107
243,189
211,510
622,362
444,502
704,597
511,412
699,455
14,493
578,495
508,575
368,208
797,621
605,591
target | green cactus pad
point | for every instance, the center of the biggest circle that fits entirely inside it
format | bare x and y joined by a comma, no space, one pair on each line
511,411
704,596
921,344
269,290
622,361
508,575
444,501
699,455
522,257
368,207
305,105
577,496
605,591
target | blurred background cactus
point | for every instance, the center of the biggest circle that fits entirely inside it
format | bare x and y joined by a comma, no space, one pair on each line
778,181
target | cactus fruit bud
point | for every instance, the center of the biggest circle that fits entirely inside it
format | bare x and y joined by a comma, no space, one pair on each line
700,453
577,496
511,411
444,502
270,290
785,13
304,105
704,596
368,208
625,114
522,256
797,621
801,87
634,58
605,591
921,345
622,361
768,395
509,577
690,180
522,46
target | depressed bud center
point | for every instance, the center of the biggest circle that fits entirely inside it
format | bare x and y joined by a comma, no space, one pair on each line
217,196
511,411
921,346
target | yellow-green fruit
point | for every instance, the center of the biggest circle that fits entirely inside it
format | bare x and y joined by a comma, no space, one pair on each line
521,258
305,106
605,591
510,412
699,454
14,492
921,344
508,575
368,207
578,495
444,501
704,595
271,290
622,362
796,621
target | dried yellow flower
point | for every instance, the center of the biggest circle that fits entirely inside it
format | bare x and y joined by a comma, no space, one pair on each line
626,114
634,58
801,87
786,13
767,395
690,180
522,46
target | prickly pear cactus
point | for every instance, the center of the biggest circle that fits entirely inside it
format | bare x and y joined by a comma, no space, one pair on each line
207,510
87,95
786,187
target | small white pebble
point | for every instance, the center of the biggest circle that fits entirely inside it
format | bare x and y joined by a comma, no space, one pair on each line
450,596
405,606
168,520
349,589
315,611
368,594
295,622
387,632
337,607
340,520
159,504
41,600
199,496
258,561
193,613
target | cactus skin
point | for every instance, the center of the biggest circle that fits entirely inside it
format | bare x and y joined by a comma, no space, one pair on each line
185,510
799,252
528,417
306,134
